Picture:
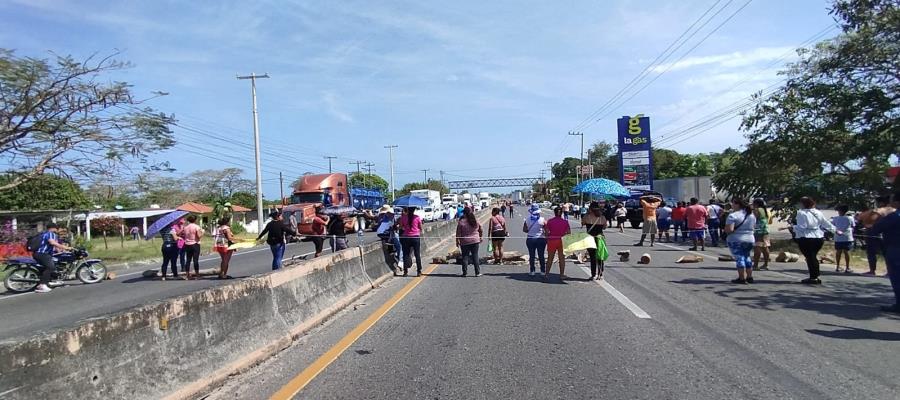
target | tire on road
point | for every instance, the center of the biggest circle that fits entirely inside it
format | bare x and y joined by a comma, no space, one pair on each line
22,279
91,272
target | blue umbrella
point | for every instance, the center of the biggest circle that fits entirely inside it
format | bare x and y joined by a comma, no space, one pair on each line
163,222
602,187
410,201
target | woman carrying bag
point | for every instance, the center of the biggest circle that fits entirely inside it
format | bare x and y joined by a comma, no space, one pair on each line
222,240
594,222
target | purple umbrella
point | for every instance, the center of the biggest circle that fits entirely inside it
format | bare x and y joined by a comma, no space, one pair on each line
163,222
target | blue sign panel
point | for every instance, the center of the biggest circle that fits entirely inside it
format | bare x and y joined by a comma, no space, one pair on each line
635,156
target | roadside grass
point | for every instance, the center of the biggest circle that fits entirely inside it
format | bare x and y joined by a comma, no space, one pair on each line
139,250
858,259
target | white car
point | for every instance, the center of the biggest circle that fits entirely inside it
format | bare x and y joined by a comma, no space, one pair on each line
428,214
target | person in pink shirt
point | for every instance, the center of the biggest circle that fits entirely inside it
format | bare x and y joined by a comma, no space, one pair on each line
696,215
192,233
557,227
411,239
497,233
468,236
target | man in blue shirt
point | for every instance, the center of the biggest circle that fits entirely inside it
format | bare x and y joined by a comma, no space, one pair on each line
889,229
44,256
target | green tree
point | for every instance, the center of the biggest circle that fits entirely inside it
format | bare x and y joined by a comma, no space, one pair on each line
45,192
244,199
431,185
69,117
107,226
210,186
604,160
563,176
832,128
363,180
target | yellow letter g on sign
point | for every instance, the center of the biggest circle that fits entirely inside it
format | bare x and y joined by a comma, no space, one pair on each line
634,124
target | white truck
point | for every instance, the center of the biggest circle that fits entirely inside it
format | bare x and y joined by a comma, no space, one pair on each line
432,196
450,199
484,199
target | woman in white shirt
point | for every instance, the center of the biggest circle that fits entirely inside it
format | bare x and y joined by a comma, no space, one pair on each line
809,230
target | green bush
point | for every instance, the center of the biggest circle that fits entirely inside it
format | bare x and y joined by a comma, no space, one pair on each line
237,228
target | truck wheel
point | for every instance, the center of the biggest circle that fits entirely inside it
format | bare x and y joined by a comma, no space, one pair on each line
635,224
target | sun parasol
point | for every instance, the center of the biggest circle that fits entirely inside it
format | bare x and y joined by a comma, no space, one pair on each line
410,201
602,187
163,222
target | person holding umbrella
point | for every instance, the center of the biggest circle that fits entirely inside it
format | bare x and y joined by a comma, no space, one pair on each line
169,250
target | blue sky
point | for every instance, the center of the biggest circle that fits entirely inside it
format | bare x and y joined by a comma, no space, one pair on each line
477,89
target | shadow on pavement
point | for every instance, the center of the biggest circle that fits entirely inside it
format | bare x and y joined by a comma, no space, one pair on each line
852,300
524,277
856,333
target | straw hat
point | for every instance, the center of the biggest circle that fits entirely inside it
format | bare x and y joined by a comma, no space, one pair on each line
385,209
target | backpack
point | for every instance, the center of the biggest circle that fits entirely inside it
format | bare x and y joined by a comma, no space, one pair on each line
33,243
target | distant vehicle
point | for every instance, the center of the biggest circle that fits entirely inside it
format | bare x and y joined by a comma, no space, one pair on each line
428,214
324,190
450,199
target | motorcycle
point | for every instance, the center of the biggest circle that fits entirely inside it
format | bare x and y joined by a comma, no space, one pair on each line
24,273
390,254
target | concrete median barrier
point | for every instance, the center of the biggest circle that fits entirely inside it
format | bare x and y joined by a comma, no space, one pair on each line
178,347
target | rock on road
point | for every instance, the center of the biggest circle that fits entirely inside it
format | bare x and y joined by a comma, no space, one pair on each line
508,335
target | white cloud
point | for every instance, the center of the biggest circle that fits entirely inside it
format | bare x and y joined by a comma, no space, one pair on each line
334,108
729,60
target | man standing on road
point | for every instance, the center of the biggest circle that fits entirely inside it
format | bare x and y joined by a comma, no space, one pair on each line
44,256
649,204
276,229
715,211
664,221
695,216
874,245
889,229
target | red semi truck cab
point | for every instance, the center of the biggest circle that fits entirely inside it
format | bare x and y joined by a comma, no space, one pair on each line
313,191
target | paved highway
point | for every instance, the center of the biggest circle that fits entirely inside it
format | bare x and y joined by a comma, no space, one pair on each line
30,313
658,331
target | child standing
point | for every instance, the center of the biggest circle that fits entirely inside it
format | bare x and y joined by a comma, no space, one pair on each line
843,238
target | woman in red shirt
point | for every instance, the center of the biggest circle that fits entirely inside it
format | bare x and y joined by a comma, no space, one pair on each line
678,222
468,236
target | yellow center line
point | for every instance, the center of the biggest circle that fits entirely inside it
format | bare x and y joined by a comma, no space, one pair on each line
313,370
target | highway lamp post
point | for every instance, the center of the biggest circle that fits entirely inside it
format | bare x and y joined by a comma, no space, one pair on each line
391,150
259,198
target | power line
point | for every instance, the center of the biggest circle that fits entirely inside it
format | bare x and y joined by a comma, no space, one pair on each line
673,64
662,57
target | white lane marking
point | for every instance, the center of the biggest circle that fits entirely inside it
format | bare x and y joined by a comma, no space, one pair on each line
9,296
624,300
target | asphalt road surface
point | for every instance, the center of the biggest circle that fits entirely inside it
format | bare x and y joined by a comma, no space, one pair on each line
657,331
30,313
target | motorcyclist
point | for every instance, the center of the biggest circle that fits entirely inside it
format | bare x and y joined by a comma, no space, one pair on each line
44,255
387,231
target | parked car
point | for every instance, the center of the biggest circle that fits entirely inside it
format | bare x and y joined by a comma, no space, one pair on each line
428,214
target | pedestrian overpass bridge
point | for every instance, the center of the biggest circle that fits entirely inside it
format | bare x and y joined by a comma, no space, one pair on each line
485,183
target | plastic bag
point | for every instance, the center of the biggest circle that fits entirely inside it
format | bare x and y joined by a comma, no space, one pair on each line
578,241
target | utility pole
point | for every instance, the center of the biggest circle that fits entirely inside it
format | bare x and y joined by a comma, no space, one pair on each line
281,186
426,175
329,158
442,178
259,200
368,174
391,149
358,172
580,160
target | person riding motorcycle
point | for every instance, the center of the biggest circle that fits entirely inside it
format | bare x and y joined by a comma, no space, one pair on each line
387,232
44,255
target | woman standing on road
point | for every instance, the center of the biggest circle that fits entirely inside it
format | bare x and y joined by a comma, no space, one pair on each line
468,236
761,234
621,214
179,243
497,233
536,241
740,225
192,233
594,222
169,250
411,240
557,227
222,240
678,221
809,231
319,222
